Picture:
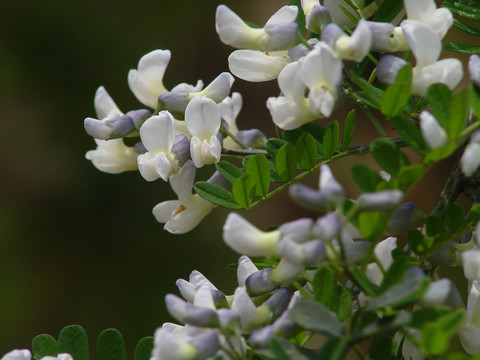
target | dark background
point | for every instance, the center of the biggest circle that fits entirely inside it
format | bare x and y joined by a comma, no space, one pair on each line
78,246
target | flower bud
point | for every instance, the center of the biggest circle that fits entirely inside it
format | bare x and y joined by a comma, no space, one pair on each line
474,69
327,227
218,89
245,268
381,36
388,68
139,116
106,129
286,272
278,302
17,355
298,230
307,197
282,36
246,239
317,19
253,138
259,283
432,131
181,148
381,200
406,217
470,159
190,314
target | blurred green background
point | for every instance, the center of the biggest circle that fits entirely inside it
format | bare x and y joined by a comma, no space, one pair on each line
78,246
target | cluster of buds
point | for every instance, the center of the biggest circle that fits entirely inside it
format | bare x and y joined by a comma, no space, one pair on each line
217,325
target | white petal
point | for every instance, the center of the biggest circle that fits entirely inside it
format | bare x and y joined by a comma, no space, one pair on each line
204,298
321,68
229,109
245,268
146,166
104,104
284,15
163,166
286,272
187,219
446,71
470,159
337,14
146,83
432,132
289,115
383,251
321,101
356,47
199,280
246,239
113,156
243,305
164,210
182,182
158,133
256,66
418,9
17,355
202,118
424,43
234,31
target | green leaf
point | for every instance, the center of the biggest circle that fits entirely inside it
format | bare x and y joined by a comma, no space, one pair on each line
243,190
216,195
286,162
416,242
365,178
422,316
257,167
362,281
459,108
440,97
409,175
395,273
400,295
272,146
382,348
143,350
388,155
273,172
283,349
345,298
410,133
454,217
323,285
440,153
110,345
306,151
372,224
370,92
434,225
348,130
473,215
367,325
229,171
436,336
316,317
44,345
462,48
330,140
466,28
73,340
463,10
333,349
397,94
388,11
475,101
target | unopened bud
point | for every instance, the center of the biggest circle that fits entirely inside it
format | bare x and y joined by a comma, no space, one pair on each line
317,19
406,217
139,116
253,138
381,200
259,283
278,302
474,69
388,68
181,148
327,227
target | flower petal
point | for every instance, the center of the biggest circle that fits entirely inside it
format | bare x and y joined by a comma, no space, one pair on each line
202,118
104,104
256,66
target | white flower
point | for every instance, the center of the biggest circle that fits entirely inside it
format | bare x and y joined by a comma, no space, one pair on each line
146,83
383,251
432,132
279,33
218,89
354,47
321,72
425,11
470,159
256,65
229,109
250,316
182,215
469,333
113,156
291,110
158,137
426,48
17,355
246,239
202,119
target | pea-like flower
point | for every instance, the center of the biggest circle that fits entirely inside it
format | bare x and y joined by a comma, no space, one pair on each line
202,118
279,33
182,215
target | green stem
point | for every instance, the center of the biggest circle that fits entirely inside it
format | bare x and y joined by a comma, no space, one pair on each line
234,138
242,152
374,121
353,150
359,352
453,187
470,128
